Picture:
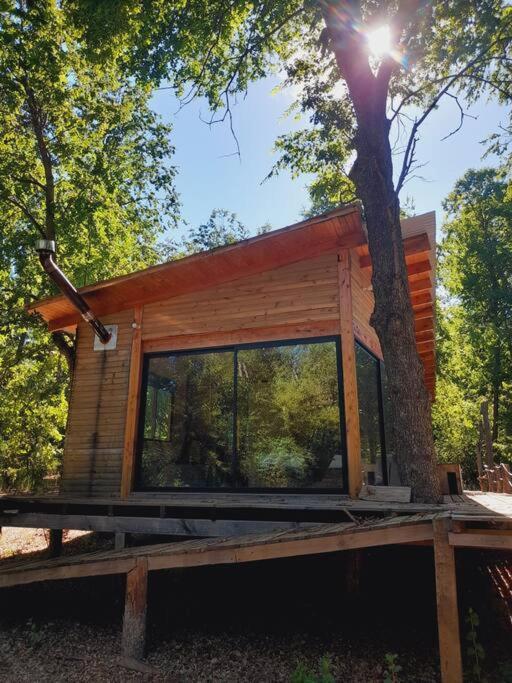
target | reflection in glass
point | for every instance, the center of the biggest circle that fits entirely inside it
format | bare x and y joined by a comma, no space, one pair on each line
288,418
393,475
266,417
369,415
188,421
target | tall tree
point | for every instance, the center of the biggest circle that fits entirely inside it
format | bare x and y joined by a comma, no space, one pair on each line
424,51
83,161
476,271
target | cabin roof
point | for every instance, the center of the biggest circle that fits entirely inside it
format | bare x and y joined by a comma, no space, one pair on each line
341,228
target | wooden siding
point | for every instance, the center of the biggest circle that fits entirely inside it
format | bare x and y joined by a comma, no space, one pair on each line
297,300
97,411
362,306
301,293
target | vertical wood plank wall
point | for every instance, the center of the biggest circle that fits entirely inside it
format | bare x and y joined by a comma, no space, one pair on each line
295,301
93,447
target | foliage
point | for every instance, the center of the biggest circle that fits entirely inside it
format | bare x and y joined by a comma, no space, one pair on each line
222,228
85,161
304,675
277,462
393,668
474,649
474,324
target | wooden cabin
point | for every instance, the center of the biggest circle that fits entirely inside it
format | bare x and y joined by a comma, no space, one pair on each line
249,368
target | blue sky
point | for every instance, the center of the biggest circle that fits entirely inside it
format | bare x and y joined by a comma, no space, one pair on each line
210,176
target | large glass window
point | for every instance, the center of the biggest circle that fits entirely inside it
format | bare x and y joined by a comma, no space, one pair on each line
371,421
188,428
245,417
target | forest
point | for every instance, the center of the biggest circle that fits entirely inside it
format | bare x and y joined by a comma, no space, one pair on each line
86,161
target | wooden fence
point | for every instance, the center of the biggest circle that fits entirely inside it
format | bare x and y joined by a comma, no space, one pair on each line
496,479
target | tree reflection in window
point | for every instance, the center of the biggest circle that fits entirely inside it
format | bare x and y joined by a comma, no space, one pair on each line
198,420
289,417
266,417
370,417
159,408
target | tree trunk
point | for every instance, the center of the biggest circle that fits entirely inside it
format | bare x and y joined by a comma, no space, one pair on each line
393,318
496,389
487,436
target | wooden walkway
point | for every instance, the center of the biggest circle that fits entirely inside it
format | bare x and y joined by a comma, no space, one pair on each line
464,527
224,514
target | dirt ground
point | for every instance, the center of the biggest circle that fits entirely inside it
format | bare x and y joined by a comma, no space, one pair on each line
255,622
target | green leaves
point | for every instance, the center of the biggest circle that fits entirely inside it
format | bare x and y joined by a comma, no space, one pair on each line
475,322
84,159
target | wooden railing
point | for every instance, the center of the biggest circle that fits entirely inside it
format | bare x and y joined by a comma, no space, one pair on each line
497,479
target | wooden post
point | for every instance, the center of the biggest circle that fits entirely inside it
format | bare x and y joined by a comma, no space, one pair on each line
119,540
447,608
353,568
55,542
348,355
134,622
132,407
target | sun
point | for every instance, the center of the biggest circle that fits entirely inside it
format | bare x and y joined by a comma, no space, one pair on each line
379,41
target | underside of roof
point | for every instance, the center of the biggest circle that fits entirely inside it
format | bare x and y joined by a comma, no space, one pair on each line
341,228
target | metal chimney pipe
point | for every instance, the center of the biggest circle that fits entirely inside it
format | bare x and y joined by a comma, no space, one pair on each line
46,251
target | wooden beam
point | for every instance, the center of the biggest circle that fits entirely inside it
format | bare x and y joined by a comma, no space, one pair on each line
153,525
447,607
348,355
422,285
424,324
417,244
135,608
480,539
132,408
176,342
421,298
417,268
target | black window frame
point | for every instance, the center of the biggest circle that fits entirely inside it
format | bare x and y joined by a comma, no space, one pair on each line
234,348
379,364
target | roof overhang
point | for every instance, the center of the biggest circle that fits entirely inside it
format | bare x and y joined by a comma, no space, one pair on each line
307,239
341,228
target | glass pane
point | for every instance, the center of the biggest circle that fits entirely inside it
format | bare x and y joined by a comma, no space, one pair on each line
393,476
288,419
188,421
369,418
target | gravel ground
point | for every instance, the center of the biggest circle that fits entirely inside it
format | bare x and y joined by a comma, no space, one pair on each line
63,651
253,622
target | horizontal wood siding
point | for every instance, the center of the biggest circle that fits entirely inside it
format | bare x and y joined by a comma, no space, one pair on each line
296,294
97,412
362,306
295,297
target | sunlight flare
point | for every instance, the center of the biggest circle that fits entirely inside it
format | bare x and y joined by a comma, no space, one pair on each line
379,41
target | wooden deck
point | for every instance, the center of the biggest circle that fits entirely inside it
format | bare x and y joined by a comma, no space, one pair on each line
478,521
222,514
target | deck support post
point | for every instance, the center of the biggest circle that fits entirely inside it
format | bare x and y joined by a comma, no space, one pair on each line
55,542
120,538
348,361
447,607
135,607
353,568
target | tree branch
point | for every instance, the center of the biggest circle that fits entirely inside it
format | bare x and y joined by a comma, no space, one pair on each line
67,350
15,202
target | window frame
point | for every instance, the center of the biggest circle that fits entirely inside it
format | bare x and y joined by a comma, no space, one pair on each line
234,348
380,400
